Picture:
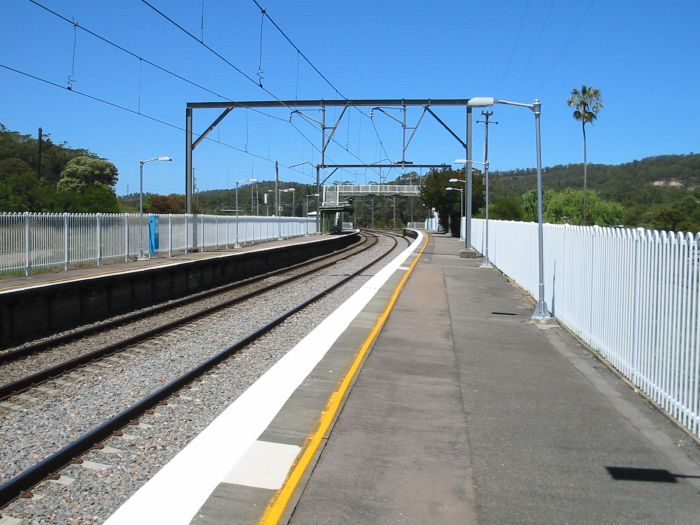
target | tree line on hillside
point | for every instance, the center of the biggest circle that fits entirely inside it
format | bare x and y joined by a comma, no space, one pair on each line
41,176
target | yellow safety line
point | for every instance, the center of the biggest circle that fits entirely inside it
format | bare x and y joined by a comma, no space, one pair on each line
279,503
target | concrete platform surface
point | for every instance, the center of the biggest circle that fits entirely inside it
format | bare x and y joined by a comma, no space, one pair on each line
467,412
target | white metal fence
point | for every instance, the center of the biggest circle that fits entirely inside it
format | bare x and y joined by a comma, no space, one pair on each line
630,294
34,241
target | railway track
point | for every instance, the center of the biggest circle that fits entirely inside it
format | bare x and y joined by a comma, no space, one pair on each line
150,322
22,482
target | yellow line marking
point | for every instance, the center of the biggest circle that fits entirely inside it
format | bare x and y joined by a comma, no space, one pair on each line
279,502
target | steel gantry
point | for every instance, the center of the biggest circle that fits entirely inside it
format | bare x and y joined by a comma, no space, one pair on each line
328,131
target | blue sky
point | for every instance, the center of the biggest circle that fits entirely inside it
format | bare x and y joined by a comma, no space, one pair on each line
642,55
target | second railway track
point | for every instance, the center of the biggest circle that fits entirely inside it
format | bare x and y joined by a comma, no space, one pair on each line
32,364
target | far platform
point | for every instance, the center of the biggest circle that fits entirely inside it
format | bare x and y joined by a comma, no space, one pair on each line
54,275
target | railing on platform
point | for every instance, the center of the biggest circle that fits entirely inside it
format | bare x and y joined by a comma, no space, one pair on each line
36,241
632,295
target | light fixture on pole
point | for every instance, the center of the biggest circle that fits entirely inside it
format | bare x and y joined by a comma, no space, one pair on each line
461,195
541,312
237,182
292,191
267,202
141,163
468,220
486,263
307,209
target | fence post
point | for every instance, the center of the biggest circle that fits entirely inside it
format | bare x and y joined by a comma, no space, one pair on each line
635,309
26,243
66,254
99,238
216,232
187,239
126,237
170,235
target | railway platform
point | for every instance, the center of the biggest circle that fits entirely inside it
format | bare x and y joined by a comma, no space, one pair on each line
110,268
442,404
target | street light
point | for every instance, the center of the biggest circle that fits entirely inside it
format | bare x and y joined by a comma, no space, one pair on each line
267,202
461,195
541,312
237,182
486,263
141,163
292,191
307,209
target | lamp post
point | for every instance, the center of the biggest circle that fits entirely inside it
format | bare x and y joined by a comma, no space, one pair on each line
141,163
267,202
461,207
469,162
307,209
292,191
541,312
318,175
461,196
237,182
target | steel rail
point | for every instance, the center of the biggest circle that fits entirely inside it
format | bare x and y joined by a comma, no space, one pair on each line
27,479
10,389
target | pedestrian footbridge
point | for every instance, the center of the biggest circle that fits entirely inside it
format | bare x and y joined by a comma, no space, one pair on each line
336,194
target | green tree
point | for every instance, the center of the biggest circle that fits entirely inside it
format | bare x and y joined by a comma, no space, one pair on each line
566,207
509,208
87,171
587,103
23,191
90,199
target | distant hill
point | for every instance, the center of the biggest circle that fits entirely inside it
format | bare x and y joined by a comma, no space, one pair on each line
650,180
657,192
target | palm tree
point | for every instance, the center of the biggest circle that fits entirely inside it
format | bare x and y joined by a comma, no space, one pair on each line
588,102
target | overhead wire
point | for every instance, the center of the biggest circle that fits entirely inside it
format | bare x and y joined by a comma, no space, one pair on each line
140,114
226,61
512,51
534,45
568,42
308,61
147,61
178,76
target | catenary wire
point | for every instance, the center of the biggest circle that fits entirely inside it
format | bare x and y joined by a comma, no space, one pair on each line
512,51
147,61
566,46
144,115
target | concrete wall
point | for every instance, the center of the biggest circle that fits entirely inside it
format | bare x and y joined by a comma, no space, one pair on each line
35,312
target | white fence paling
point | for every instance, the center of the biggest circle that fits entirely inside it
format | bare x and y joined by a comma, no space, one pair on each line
632,295
35,241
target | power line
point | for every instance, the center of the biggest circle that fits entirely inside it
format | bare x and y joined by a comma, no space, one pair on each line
512,51
571,37
230,64
267,15
134,112
143,59
534,45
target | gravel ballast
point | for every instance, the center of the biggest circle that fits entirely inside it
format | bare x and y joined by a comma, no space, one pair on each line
108,476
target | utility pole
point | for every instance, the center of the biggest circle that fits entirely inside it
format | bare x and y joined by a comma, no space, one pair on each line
41,144
277,200
486,122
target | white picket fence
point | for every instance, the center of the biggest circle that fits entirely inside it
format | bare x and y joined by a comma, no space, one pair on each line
632,295
35,241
